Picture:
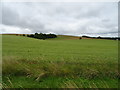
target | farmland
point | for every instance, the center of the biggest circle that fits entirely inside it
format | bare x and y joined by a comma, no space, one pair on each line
63,62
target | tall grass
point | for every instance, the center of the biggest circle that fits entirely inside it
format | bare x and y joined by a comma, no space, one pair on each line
38,68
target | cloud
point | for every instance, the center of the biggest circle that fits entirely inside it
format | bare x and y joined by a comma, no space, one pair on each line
13,29
9,17
60,18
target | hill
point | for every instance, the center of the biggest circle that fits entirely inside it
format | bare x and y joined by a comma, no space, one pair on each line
64,62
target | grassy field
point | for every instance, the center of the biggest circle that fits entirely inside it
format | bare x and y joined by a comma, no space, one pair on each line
64,62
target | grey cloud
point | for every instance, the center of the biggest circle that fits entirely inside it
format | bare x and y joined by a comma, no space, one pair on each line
9,16
105,20
12,18
61,18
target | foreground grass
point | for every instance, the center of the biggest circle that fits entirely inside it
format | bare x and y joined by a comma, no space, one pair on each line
29,62
59,82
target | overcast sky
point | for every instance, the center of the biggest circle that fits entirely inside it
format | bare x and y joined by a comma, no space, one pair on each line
68,18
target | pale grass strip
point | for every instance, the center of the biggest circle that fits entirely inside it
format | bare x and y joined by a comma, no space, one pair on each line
10,82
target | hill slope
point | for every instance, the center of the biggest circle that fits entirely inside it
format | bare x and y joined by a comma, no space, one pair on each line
56,63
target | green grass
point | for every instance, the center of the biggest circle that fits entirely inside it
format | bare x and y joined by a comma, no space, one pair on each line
61,82
86,63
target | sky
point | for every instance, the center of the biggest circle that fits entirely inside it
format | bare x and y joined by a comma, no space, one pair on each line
61,18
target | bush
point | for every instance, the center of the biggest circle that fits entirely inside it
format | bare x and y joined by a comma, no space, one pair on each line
23,34
42,36
80,38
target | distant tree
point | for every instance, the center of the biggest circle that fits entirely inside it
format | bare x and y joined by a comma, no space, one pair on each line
27,35
23,34
36,33
80,38
99,37
85,36
42,36
31,35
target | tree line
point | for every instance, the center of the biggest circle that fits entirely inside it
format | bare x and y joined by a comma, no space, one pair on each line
42,36
109,38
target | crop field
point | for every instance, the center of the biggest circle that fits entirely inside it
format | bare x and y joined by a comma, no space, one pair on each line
63,62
